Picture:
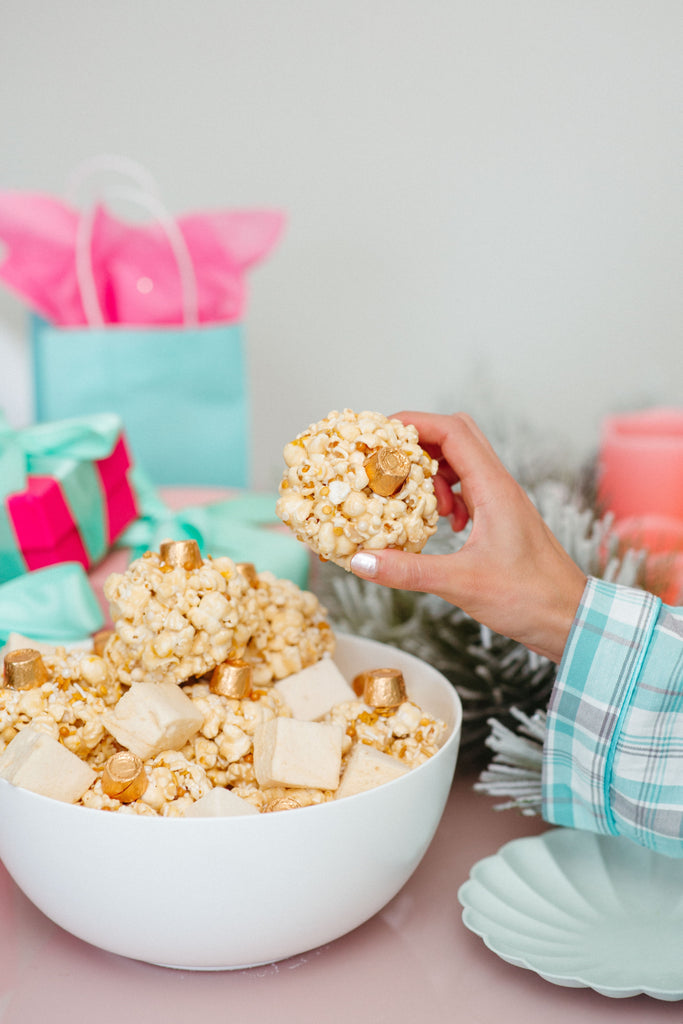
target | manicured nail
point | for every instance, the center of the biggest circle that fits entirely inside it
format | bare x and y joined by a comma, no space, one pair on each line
364,564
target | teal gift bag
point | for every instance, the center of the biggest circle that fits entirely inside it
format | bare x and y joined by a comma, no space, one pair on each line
179,387
181,393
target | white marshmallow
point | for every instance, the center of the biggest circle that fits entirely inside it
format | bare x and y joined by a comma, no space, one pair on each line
288,752
36,761
220,803
313,691
152,717
366,768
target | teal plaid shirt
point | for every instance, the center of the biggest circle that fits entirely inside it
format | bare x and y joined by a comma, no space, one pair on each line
613,753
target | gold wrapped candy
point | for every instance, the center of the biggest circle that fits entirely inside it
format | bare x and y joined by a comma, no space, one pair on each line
232,679
24,669
387,470
383,687
124,777
248,570
282,803
183,553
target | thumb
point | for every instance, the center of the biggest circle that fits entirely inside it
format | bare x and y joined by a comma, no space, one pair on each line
405,571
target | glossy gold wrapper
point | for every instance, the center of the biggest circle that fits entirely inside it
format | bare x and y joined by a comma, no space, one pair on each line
387,470
248,570
183,553
384,688
24,669
232,679
283,803
123,777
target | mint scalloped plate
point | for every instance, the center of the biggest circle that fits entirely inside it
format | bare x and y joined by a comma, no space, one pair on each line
582,910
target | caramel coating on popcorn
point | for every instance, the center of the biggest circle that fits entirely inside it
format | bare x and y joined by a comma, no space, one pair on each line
173,623
405,732
69,706
325,497
215,612
224,745
292,631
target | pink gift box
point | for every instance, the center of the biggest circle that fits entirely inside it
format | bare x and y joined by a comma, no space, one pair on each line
44,525
75,515
119,496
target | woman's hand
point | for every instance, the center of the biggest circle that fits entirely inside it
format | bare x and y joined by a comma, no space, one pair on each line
511,574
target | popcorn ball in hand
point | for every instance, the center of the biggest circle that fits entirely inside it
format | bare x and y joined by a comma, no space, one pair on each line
174,620
358,481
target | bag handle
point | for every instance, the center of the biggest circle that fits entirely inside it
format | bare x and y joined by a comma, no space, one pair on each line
143,193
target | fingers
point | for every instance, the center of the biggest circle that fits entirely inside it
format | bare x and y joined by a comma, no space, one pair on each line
404,571
465,454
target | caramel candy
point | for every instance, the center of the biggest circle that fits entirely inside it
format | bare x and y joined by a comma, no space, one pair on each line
232,679
384,688
124,777
358,684
282,803
183,553
24,669
99,641
248,570
387,470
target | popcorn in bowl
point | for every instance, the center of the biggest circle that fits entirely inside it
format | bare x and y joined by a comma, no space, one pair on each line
214,677
358,481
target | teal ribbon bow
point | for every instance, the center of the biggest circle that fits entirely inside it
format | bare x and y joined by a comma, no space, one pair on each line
56,605
237,527
66,450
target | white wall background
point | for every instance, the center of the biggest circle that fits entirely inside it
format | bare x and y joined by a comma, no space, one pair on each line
483,196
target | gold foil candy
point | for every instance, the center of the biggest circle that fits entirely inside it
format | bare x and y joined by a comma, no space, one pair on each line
387,470
183,553
248,570
24,669
232,679
100,639
124,777
384,688
358,684
282,803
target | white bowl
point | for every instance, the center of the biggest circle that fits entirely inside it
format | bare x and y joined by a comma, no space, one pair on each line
224,893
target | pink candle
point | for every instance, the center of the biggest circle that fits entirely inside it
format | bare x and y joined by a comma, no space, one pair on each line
662,538
640,464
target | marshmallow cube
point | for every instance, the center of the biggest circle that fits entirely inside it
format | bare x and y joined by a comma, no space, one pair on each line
152,717
313,691
36,761
288,752
366,768
220,803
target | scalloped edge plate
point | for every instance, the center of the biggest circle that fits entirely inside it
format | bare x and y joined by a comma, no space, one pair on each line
582,910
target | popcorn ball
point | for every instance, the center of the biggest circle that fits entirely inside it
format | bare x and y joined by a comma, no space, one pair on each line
292,631
358,481
173,622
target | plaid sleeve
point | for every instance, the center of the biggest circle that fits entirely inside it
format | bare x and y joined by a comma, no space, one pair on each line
613,753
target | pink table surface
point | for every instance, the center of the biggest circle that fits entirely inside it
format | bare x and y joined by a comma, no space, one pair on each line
413,962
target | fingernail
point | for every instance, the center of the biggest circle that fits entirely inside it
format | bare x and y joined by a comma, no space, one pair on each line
364,563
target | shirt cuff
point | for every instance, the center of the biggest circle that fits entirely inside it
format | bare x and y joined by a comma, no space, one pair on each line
595,683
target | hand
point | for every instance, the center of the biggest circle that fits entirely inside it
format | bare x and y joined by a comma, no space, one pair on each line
511,574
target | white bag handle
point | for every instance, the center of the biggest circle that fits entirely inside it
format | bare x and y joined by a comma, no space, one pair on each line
144,194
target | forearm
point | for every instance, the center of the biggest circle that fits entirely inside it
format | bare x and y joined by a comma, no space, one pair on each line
612,757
